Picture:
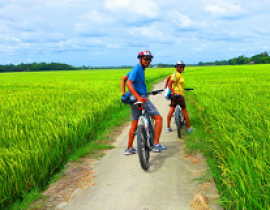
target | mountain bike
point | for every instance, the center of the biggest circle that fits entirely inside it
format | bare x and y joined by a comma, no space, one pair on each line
179,116
145,133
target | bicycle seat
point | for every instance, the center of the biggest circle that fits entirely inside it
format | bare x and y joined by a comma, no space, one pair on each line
137,103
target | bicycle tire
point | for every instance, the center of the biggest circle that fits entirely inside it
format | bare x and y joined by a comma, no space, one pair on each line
182,119
143,150
177,121
152,134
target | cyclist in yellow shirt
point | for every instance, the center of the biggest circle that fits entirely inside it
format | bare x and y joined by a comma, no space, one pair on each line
176,84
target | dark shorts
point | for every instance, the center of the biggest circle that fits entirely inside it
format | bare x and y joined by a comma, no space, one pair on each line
180,101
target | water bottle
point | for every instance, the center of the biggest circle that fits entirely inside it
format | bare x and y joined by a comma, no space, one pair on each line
147,121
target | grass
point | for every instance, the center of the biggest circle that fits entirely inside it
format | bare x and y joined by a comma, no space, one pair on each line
73,112
230,110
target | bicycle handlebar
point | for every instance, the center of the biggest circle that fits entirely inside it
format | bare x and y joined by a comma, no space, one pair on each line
179,96
154,92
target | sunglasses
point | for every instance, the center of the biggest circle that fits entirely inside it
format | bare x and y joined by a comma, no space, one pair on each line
147,59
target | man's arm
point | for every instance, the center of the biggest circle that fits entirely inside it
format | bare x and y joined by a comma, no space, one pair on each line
123,83
166,83
134,92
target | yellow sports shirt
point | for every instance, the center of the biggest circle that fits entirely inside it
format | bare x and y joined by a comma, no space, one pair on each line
178,83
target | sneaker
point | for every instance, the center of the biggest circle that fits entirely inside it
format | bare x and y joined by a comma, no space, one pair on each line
191,129
158,148
168,130
131,151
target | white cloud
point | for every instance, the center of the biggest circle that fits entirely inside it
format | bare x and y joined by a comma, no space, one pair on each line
154,33
86,29
147,8
113,45
181,20
128,8
201,48
15,39
225,10
96,17
116,5
92,23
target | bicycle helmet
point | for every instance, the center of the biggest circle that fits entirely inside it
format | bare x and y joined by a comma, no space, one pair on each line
180,63
145,53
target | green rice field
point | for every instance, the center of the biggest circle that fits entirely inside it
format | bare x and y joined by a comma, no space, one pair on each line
233,103
46,116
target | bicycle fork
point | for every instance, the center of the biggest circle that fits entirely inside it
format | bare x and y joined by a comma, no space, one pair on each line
145,121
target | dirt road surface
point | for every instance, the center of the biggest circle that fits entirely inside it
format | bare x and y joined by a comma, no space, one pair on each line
121,184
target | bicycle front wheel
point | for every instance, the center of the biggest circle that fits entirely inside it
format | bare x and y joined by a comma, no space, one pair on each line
177,121
143,150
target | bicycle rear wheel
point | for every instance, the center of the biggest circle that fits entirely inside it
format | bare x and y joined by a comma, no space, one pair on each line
143,150
182,119
177,121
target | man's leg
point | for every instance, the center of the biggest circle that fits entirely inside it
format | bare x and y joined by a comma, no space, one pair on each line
184,110
132,129
158,128
169,117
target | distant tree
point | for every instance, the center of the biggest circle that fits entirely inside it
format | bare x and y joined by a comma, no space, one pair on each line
233,61
223,62
246,61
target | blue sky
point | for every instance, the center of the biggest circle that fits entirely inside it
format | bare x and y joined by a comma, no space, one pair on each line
112,32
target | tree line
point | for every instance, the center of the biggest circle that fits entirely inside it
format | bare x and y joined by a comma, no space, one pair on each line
35,67
53,66
262,58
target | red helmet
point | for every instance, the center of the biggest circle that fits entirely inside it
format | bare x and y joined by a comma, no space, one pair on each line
145,53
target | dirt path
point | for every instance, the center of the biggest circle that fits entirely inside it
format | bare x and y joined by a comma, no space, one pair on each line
121,184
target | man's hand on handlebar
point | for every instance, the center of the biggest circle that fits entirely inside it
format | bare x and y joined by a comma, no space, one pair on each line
142,99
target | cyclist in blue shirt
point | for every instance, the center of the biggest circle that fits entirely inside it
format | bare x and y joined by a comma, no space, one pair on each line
136,84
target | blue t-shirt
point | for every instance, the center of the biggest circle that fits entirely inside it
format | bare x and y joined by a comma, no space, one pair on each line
137,76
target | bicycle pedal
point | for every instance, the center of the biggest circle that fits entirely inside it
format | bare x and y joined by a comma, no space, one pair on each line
134,133
172,115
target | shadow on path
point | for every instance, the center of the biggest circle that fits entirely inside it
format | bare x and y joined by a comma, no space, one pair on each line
158,159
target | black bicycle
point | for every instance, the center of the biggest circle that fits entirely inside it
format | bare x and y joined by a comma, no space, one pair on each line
145,133
179,116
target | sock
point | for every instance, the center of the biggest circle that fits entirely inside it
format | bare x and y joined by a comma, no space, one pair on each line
157,145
